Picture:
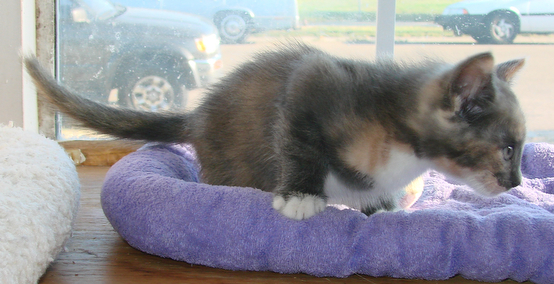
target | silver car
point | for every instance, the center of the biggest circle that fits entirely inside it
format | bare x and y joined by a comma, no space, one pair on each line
498,21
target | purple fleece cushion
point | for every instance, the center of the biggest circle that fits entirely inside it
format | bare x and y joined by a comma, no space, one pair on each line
154,200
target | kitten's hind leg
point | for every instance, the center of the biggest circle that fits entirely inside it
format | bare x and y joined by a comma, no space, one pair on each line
303,157
382,206
299,207
299,194
409,196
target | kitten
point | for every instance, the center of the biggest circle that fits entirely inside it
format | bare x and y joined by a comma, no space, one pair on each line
317,129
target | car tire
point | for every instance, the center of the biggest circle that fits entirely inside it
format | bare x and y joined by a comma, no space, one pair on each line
499,28
153,88
233,28
457,31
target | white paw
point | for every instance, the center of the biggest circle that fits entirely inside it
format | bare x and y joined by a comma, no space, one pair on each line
395,209
299,207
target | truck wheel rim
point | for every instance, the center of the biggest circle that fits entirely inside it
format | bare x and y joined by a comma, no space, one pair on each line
503,29
152,93
233,26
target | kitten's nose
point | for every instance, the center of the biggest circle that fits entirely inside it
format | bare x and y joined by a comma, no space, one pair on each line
510,182
516,182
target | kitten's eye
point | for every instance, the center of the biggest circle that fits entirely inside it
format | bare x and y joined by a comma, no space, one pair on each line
508,153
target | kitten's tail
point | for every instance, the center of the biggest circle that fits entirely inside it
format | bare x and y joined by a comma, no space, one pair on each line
118,122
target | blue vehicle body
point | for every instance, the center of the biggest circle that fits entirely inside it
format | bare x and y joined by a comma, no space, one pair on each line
235,19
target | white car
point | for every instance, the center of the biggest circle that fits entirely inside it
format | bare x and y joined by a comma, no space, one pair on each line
498,21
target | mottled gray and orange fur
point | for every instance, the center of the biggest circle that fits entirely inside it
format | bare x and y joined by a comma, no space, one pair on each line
317,129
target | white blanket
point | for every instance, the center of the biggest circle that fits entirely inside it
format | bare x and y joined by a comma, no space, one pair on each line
39,198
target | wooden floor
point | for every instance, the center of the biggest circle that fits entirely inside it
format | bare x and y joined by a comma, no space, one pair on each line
96,254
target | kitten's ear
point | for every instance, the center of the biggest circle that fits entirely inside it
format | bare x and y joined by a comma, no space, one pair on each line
472,75
507,70
469,82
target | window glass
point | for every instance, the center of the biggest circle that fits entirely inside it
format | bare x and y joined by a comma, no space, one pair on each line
161,55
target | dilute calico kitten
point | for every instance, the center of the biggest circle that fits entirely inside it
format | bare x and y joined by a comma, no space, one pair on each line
317,129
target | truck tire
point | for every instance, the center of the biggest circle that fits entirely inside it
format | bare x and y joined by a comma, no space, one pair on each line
153,87
233,28
500,27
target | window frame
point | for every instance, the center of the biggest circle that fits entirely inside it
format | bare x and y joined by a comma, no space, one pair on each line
45,15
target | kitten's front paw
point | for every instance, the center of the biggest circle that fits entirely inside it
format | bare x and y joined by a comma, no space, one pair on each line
299,207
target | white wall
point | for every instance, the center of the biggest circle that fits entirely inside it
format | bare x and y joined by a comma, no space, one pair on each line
18,103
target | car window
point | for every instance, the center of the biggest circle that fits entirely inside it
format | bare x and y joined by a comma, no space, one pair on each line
160,55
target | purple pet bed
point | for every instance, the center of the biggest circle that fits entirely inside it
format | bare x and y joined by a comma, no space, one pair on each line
154,200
